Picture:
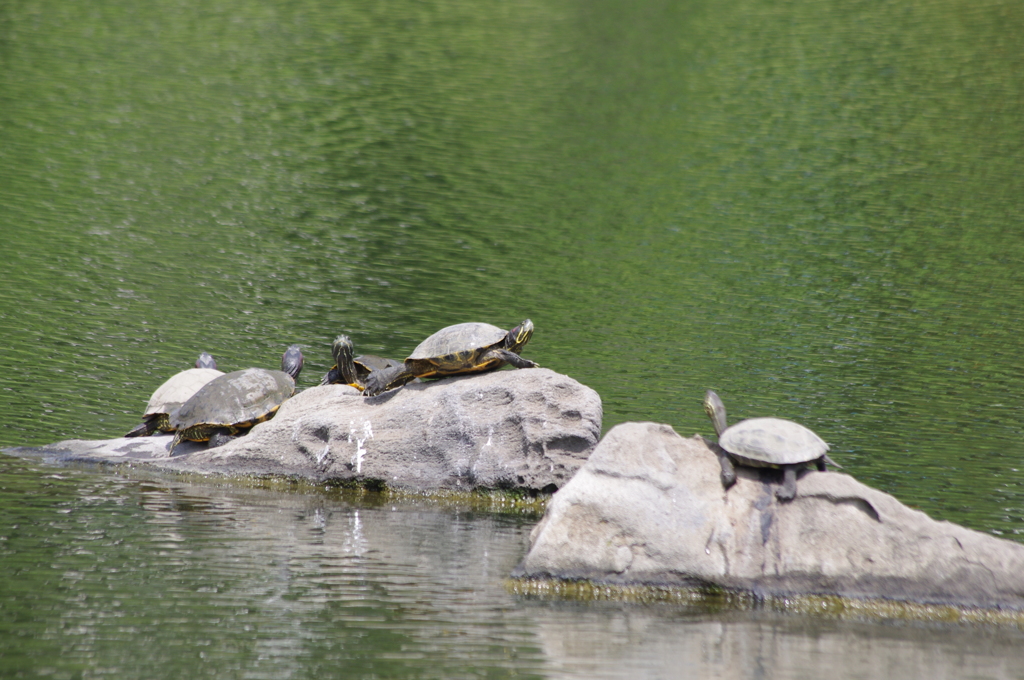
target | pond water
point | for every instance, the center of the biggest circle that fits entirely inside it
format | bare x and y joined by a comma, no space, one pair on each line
811,207
138,578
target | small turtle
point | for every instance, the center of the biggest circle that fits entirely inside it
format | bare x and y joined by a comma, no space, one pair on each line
353,372
766,442
169,397
234,402
462,348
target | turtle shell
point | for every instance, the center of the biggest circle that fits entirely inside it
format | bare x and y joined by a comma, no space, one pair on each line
771,442
458,343
238,398
367,363
178,389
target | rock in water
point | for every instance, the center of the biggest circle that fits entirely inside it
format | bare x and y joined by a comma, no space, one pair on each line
648,508
528,430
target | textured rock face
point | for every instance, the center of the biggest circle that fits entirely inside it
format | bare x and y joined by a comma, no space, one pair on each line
516,429
648,508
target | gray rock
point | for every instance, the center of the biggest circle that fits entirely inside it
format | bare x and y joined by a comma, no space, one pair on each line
515,429
648,508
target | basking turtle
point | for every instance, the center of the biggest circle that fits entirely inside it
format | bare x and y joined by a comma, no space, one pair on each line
462,348
354,372
766,442
172,394
234,402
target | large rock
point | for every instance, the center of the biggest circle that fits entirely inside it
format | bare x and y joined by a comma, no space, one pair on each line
648,507
513,429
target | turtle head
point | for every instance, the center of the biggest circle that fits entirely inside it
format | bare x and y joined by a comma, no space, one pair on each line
291,361
519,336
715,409
206,360
343,361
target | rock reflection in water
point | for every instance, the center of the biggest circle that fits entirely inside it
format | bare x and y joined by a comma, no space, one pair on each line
609,641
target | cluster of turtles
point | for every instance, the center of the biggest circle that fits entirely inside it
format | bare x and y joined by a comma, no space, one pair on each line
204,404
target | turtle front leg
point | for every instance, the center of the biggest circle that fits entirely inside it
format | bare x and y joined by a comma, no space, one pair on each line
387,379
787,491
509,358
728,469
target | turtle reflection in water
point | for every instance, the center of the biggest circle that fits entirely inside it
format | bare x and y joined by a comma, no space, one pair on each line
353,371
228,405
765,442
463,348
169,397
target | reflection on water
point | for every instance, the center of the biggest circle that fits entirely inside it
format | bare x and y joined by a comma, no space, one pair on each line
164,579
622,642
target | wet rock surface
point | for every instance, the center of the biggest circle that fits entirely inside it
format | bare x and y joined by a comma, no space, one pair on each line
648,507
528,429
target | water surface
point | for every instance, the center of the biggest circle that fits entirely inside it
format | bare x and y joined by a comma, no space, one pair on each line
155,578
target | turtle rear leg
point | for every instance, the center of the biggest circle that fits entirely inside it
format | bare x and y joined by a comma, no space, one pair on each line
150,425
787,491
179,437
196,433
220,438
509,358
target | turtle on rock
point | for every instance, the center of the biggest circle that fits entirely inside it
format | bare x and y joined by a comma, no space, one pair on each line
169,397
353,371
229,405
462,348
766,442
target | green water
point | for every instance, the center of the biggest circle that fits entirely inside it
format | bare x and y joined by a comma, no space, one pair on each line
812,207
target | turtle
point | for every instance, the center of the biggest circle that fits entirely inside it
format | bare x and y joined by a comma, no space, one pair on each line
462,348
766,442
175,391
353,372
228,405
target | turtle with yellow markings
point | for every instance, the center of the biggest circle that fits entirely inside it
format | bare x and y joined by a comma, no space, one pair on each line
458,349
229,405
174,392
350,370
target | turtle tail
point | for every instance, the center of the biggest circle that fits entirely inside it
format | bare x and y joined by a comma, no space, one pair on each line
831,462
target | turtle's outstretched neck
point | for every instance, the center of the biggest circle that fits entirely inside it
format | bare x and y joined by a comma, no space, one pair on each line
715,409
387,379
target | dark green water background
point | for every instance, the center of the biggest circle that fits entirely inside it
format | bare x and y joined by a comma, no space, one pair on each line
814,208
